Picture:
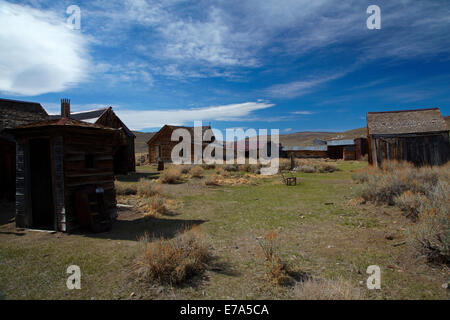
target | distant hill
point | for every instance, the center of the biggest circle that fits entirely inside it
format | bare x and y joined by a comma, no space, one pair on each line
306,138
141,141
303,138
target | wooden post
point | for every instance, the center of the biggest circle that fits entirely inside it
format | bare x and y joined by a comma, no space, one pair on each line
374,152
292,161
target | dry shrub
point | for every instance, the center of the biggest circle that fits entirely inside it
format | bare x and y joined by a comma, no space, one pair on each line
431,234
305,168
146,188
125,189
231,167
326,167
251,168
339,289
186,168
196,172
171,175
208,166
222,172
384,185
155,205
411,203
172,261
277,270
212,180
422,194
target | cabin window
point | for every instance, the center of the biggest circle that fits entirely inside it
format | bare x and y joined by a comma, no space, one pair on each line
89,161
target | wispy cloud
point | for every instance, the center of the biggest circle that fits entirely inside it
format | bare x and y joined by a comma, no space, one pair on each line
304,112
298,88
146,119
39,54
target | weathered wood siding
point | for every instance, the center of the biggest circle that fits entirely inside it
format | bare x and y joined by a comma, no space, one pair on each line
307,153
7,168
432,149
110,119
77,175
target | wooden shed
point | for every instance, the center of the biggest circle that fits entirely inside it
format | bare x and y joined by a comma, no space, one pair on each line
64,175
419,136
160,144
13,113
124,159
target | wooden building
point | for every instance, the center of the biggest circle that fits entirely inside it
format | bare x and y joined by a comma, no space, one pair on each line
160,144
13,113
419,136
317,151
124,159
349,149
65,175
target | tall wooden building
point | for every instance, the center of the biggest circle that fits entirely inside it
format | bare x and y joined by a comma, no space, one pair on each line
14,113
65,174
419,136
124,159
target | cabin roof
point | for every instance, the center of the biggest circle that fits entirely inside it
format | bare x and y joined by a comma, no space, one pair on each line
92,116
172,127
63,122
406,121
15,113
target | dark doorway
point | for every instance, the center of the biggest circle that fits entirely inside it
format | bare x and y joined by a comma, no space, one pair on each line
120,161
43,211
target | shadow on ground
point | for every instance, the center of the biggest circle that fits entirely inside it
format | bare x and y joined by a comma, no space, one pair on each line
132,226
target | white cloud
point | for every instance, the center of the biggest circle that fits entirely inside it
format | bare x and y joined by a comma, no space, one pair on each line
298,88
145,119
39,54
303,112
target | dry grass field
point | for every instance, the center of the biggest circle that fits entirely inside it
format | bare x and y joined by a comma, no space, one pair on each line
230,233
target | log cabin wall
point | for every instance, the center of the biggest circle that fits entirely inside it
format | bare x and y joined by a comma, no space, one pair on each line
88,160
307,154
79,158
7,168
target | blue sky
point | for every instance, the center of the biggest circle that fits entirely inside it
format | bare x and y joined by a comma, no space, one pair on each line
294,65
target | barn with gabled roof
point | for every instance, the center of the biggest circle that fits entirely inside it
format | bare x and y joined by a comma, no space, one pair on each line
419,136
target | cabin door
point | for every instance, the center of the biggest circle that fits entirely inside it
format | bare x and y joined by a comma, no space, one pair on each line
41,187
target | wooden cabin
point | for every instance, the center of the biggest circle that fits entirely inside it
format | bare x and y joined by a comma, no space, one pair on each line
65,174
419,136
160,144
348,149
124,159
13,113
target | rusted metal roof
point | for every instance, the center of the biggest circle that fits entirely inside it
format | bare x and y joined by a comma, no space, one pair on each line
306,148
406,121
346,142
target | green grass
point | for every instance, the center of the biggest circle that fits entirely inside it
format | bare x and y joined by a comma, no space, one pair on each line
317,233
